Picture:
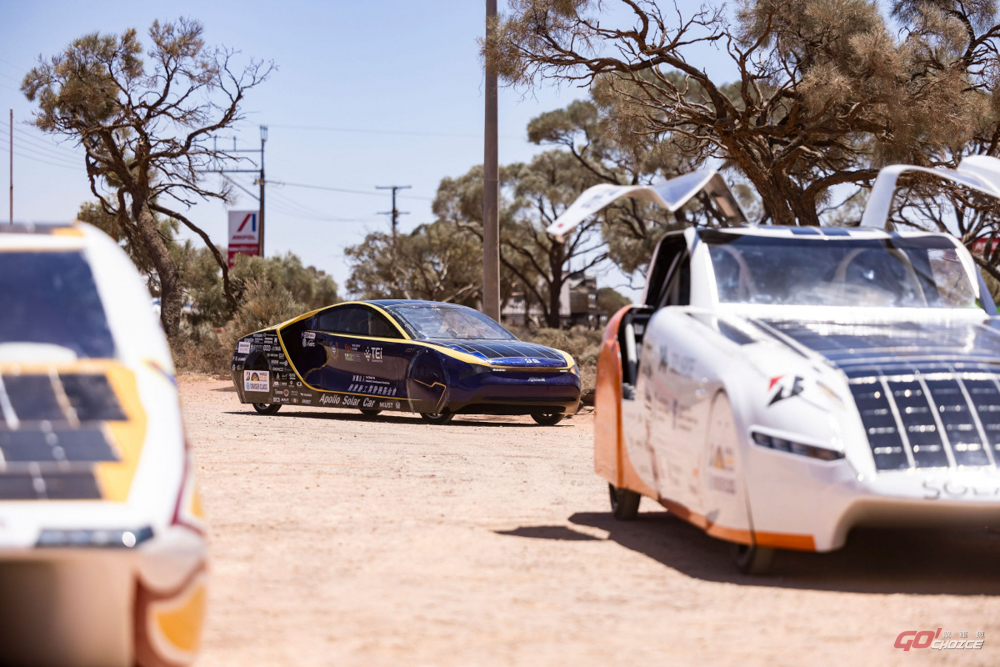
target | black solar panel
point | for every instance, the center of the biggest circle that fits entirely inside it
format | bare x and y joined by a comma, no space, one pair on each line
92,397
51,435
880,425
33,397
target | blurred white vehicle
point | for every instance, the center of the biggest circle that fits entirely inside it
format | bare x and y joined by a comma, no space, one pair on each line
779,386
102,543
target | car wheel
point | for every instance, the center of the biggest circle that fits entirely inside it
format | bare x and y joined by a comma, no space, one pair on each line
624,503
751,559
267,408
547,418
437,417
370,413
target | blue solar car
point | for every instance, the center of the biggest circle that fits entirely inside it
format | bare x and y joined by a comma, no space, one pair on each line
435,359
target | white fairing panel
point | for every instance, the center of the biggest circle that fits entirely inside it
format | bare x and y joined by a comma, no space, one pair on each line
978,172
671,195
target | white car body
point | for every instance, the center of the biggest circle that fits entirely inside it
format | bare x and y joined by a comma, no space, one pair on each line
102,543
784,426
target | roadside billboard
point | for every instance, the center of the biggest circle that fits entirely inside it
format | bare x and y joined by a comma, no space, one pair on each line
244,234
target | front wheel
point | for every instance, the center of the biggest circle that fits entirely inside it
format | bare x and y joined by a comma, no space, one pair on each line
624,503
267,408
437,417
547,418
370,413
751,559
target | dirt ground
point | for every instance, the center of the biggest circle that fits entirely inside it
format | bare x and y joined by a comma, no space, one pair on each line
337,540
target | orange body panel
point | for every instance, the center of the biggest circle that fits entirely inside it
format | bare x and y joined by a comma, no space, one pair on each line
610,459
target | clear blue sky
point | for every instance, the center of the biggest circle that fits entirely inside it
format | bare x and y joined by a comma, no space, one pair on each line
398,84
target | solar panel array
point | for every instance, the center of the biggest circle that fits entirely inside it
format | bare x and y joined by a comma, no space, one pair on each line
928,393
52,433
514,353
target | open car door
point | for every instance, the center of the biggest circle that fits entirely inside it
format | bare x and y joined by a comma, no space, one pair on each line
671,195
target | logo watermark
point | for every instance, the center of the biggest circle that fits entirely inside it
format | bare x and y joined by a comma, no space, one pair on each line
940,640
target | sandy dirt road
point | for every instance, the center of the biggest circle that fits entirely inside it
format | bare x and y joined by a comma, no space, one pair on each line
336,540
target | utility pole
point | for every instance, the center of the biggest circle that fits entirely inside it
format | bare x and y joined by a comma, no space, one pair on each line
259,181
395,212
12,166
263,138
491,194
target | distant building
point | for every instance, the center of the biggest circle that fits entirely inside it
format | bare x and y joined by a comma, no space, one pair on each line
577,305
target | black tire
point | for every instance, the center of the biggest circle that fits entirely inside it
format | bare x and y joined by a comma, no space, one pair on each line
547,418
437,418
267,408
370,413
751,559
624,503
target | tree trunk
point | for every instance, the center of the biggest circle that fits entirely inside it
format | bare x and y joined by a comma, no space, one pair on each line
166,268
556,254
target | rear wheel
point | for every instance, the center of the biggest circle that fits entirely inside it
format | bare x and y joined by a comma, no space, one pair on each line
624,503
437,417
752,559
547,418
370,413
266,408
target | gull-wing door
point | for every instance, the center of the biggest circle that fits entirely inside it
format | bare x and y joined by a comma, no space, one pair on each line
978,172
671,195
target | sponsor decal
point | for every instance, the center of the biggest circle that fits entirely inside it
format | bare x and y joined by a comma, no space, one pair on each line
722,484
311,335
243,347
373,354
785,386
328,399
722,458
934,490
295,400
285,393
939,640
536,379
352,356
306,401
267,348
259,381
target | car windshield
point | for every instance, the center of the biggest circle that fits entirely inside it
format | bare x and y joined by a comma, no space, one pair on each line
51,298
918,272
449,322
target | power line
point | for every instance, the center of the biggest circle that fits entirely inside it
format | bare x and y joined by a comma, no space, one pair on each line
358,130
291,207
65,165
346,190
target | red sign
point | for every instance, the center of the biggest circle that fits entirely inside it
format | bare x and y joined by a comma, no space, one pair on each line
244,234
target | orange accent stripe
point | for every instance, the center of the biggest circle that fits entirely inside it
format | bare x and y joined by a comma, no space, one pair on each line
775,540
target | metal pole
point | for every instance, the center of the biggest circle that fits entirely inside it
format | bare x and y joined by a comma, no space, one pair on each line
491,226
12,166
395,212
260,241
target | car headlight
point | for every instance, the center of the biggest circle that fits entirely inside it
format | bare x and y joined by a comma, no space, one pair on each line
792,447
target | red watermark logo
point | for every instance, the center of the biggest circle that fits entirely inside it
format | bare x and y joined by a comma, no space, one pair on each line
939,640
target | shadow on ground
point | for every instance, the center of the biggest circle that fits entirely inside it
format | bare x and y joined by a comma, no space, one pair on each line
403,418
924,562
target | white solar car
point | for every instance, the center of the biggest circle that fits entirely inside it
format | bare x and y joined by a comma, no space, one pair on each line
778,386
102,544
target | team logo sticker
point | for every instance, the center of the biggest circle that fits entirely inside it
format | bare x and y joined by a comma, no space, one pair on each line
243,347
257,381
785,386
